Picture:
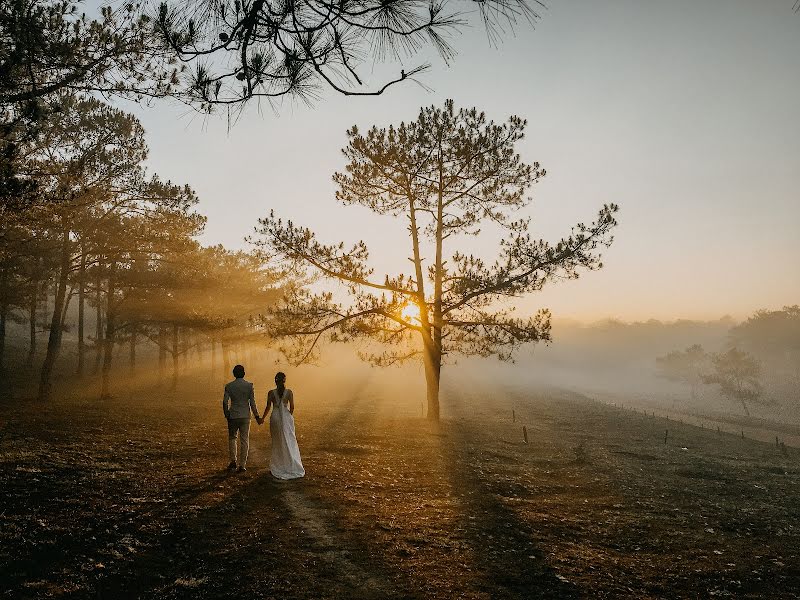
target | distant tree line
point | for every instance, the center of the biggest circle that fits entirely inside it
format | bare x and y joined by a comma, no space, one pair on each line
764,349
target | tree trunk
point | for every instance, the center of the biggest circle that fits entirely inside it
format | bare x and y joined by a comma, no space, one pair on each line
81,313
226,359
34,306
435,351
110,335
739,392
431,359
134,340
67,300
185,349
162,351
744,406
433,367
3,316
56,323
174,357
98,337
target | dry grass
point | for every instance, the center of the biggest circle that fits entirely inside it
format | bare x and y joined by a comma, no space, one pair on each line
129,499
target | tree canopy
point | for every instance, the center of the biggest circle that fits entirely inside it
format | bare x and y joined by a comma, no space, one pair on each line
272,48
49,46
50,51
771,334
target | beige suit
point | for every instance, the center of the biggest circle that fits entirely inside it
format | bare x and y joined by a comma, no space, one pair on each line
238,401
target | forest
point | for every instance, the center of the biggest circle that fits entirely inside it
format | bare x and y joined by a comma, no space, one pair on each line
97,232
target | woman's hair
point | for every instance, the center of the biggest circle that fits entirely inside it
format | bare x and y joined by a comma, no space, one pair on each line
280,375
238,371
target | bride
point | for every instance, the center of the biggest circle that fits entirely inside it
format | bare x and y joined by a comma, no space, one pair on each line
285,460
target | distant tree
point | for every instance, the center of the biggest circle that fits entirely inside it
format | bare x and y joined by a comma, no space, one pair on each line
230,290
685,366
773,336
444,174
737,374
270,48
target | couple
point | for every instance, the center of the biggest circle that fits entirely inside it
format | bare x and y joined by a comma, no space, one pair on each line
237,403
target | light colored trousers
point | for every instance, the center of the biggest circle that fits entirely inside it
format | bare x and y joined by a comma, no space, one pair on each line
242,427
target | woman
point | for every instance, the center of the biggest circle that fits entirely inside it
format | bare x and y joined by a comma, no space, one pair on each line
285,460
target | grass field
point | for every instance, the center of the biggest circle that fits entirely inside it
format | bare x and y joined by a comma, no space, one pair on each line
130,499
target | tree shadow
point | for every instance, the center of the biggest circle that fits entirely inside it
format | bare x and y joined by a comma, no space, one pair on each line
205,550
515,564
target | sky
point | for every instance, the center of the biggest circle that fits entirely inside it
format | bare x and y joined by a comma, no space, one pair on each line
684,113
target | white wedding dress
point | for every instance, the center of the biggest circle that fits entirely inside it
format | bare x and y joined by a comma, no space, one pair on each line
285,460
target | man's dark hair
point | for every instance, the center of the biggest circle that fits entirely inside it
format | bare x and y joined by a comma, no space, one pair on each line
280,375
238,371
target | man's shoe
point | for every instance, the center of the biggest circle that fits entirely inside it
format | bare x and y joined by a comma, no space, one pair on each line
232,466
241,469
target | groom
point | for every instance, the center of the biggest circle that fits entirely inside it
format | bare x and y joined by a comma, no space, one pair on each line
237,403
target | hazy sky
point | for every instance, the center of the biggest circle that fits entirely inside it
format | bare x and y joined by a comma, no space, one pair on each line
685,113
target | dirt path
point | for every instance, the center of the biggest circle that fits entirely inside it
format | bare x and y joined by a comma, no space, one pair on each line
314,521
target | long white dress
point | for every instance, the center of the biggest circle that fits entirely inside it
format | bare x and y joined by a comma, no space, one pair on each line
284,462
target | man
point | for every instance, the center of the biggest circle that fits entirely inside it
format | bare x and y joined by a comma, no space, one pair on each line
242,402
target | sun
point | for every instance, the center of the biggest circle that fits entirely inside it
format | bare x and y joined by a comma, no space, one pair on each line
410,312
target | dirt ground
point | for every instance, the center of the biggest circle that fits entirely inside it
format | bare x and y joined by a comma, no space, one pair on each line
129,499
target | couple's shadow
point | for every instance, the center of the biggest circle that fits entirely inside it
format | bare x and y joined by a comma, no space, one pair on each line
195,526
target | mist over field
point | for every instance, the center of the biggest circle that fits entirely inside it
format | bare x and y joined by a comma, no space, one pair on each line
616,361
609,360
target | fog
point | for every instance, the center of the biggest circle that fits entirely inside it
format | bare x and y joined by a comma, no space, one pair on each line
609,361
615,363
